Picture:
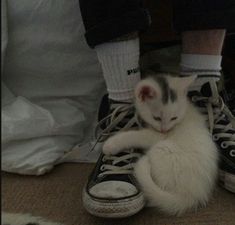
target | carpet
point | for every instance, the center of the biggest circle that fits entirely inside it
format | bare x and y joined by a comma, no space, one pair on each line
24,219
57,197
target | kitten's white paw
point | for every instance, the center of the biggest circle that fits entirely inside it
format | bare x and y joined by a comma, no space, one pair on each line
110,147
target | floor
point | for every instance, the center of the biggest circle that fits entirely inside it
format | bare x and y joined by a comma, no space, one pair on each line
57,197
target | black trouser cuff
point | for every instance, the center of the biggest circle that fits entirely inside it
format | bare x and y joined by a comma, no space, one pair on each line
205,21
132,21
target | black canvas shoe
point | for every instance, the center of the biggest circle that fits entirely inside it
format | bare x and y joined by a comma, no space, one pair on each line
228,96
222,126
112,190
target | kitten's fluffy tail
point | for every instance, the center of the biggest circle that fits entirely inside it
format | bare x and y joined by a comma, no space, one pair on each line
165,201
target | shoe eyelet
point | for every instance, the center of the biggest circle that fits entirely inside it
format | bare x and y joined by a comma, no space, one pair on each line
104,159
102,168
223,145
100,176
232,153
215,137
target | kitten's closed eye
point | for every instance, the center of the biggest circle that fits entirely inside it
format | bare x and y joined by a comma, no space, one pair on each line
157,118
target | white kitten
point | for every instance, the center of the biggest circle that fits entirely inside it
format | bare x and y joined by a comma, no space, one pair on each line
179,170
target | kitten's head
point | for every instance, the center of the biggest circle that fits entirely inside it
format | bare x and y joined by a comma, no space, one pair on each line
162,101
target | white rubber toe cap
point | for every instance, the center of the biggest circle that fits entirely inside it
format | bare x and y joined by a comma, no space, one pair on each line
113,189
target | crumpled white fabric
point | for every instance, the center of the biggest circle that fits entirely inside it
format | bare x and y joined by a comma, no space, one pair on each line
52,85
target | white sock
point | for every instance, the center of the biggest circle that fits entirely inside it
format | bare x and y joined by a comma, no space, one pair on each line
206,67
120,65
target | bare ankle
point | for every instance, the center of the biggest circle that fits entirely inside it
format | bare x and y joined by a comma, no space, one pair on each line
208,42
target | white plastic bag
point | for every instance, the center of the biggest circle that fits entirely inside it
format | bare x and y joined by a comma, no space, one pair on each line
52,84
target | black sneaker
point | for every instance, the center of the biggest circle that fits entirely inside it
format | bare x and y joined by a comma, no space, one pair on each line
112,190
222,126
228,96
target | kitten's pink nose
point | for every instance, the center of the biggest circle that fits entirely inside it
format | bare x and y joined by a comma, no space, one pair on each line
163,130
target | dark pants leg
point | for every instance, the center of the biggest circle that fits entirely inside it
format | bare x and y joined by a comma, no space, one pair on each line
105,20
204,14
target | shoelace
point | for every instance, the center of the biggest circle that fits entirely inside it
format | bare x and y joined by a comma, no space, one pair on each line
217,111
113,168
112,122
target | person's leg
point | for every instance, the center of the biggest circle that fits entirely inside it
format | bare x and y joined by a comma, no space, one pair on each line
203,24
201,55
112,30
119,60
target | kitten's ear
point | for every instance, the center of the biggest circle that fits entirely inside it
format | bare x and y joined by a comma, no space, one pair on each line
145,90
182,83
187,81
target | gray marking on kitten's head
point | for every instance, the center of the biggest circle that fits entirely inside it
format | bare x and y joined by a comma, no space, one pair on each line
165,88
167,92
173,95
162,101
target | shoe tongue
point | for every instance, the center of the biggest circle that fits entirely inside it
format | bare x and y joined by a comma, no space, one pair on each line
206,90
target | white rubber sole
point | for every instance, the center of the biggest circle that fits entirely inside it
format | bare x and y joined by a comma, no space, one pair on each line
227,180
117,209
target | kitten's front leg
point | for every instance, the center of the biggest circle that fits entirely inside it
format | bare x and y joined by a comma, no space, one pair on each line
117,143
129,139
